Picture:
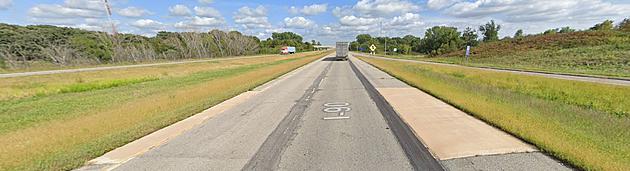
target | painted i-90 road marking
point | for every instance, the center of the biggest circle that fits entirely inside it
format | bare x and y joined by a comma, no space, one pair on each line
339,108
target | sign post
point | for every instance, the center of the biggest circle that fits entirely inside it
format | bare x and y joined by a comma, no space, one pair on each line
467,52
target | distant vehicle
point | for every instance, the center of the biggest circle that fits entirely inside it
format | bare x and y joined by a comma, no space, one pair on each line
287,50
342,50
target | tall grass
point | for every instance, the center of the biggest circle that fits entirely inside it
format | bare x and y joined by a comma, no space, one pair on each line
81,87
583,123
62,131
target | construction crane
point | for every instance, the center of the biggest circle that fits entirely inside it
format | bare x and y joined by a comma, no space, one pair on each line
108,9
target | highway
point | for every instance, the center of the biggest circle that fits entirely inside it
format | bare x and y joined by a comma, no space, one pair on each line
611,81
327,115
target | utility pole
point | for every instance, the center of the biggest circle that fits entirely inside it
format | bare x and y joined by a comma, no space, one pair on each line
115,43
384,38
108,9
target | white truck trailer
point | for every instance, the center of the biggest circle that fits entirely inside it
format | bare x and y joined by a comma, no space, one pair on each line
342,50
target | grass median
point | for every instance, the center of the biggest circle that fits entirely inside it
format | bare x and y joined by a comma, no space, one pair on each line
65,126
582,123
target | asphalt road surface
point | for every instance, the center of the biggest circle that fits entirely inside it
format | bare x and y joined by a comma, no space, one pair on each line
320,118
612,81
323,116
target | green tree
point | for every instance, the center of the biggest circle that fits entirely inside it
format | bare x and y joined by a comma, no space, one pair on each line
470,37
519,34
566,29
604,26
441,39
91,47
490,31
363,38
287,36
624,25
551,31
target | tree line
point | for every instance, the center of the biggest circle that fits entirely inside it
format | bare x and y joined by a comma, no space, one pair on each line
444,39
21,45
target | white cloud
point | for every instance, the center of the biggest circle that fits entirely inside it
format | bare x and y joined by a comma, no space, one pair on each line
148,24
372,16
196,22
252,18
310,9
133,12
380,8
298,22
205,1
207,12
406,21
342,11
534,10
85,4
88,27
357,21
439,4
69,9
5,4
179,10
205,21
91,24
60,11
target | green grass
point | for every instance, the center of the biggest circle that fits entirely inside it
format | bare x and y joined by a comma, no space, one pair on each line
605,54
81,87
61,131
582,123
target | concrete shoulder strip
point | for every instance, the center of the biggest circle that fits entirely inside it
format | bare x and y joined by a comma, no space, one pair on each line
448,132
122,154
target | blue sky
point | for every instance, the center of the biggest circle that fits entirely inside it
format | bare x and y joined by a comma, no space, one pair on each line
324,20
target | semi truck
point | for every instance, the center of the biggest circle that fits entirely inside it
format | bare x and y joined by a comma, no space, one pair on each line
342,50
287,50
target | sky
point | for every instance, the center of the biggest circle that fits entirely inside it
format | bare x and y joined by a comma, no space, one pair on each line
322,20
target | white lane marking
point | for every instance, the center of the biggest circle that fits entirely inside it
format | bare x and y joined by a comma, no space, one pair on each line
337,109
340,108
336,117
336,104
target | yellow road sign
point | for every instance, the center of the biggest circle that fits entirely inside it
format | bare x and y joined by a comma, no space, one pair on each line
373,48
